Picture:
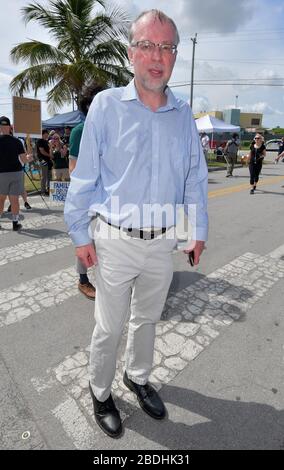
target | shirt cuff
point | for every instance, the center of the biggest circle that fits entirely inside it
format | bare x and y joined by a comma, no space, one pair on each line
202,233
80,239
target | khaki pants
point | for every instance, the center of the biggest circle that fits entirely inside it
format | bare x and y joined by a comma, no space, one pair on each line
230,164
132,278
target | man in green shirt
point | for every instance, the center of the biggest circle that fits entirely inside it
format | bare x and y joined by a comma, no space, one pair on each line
84,284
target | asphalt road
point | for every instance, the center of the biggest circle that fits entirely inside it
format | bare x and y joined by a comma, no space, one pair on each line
219,349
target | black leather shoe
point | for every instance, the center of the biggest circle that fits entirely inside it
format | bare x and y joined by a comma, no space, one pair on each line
148,398
16,226
107,415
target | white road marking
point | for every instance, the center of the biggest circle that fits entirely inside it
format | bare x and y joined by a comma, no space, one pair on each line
28,298
31,223
33,248
75,424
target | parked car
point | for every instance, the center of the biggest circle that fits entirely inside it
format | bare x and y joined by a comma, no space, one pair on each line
272,145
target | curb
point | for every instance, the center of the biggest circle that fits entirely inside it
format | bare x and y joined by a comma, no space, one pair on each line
217,168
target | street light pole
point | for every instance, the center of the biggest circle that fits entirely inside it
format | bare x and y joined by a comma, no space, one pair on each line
194,40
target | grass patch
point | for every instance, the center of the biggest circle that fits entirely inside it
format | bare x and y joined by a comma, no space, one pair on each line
215,163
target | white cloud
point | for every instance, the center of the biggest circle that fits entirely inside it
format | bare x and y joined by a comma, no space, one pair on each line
215,15
201,104
261,107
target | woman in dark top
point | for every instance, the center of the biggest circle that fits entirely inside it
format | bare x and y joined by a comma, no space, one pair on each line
60,159
257,154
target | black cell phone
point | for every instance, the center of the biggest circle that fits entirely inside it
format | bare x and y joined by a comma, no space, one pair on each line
191,258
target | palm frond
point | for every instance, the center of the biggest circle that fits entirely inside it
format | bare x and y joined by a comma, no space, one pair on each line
36,52
36,77
58,96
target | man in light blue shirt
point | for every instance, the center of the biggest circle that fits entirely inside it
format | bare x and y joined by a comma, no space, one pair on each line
140,158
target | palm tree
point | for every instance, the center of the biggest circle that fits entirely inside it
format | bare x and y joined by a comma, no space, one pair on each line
89,49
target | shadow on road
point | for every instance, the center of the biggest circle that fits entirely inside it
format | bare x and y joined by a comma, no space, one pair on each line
180,300
212,423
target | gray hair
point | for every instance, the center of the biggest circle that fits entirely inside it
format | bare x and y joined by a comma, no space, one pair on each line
158,16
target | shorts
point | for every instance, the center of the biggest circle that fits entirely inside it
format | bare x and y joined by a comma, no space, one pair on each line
60,174
12,183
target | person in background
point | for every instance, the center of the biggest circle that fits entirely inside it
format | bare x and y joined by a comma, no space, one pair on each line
51,134
256,156
25,194
140,151
84,284
230,153
12,157
25,199
66,136
44,157
59,155
205,143
280,151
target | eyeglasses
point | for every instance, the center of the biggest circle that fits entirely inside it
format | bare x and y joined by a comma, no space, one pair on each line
147,47
256,138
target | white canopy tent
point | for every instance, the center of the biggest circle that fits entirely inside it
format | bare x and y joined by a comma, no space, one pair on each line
211,124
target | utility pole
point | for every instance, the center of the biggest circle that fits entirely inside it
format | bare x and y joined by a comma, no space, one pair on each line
236,102
194,40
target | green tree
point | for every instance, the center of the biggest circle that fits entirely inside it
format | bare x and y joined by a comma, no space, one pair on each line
89,48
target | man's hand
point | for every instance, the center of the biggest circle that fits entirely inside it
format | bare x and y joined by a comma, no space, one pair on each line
87,255
25,158
197,246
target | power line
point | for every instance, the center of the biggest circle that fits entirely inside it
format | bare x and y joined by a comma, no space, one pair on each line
197,83
253,80
212,34
240,61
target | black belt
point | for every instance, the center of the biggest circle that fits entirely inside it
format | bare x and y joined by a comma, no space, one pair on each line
142,234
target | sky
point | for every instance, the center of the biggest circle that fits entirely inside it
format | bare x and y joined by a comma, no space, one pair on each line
239,55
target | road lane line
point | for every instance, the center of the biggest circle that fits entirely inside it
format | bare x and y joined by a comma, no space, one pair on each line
242,187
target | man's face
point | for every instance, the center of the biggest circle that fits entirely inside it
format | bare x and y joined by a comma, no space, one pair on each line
152,69
5,130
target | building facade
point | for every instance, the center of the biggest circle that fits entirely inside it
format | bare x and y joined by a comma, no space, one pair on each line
247,121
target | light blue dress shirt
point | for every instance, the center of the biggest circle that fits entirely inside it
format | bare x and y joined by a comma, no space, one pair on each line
135,166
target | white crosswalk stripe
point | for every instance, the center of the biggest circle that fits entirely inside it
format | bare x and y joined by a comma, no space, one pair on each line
37,203
29,249
25,299
31,223
75,424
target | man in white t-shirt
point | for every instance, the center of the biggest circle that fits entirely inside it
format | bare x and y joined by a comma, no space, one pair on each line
204,138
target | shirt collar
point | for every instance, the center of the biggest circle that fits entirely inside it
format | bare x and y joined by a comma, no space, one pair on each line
130,93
